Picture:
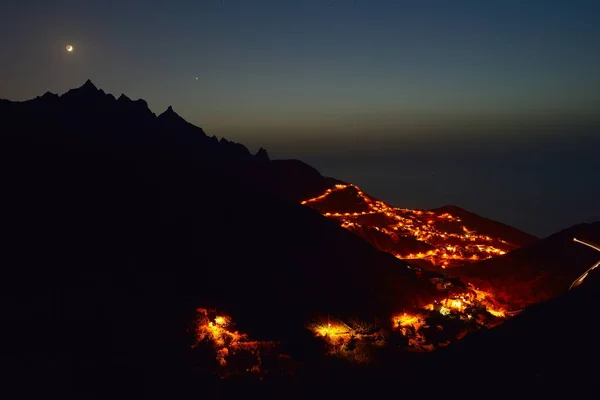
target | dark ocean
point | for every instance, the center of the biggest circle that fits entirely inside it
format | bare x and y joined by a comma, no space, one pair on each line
540,187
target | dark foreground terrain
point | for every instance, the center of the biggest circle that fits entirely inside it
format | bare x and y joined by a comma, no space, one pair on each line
117,224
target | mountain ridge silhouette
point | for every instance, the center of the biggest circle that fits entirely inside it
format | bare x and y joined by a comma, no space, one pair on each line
117,223
117,226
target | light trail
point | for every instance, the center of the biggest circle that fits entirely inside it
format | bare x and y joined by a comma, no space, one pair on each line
587,243
579,280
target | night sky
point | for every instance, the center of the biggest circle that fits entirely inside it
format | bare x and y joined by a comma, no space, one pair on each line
404,98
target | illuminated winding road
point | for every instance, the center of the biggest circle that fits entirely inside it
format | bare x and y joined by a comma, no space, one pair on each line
579,280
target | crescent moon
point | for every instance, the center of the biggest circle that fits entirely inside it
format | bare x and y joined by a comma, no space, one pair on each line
69,48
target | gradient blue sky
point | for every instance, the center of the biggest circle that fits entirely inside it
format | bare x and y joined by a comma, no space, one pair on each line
312,78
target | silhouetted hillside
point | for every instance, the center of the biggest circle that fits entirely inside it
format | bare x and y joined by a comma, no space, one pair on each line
538,272
117,224
489,227
549,347
296,180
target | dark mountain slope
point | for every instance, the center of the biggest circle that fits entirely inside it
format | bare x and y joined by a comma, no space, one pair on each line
431,239
550,347
113,232
291,179
296,180
538,272
490,227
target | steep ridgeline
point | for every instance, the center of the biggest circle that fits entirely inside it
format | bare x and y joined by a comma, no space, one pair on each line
118,225
556,340
90,117
210,210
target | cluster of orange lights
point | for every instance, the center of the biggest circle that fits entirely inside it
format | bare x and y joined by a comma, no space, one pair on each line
450,243
459,304
227,342
464,306
406,319
448,248
347,342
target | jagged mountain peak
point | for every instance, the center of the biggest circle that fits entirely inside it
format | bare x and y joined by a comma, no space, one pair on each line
48,94
88,102
170,114
45,98
89,85
87,92
88,88
262,155
139,102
